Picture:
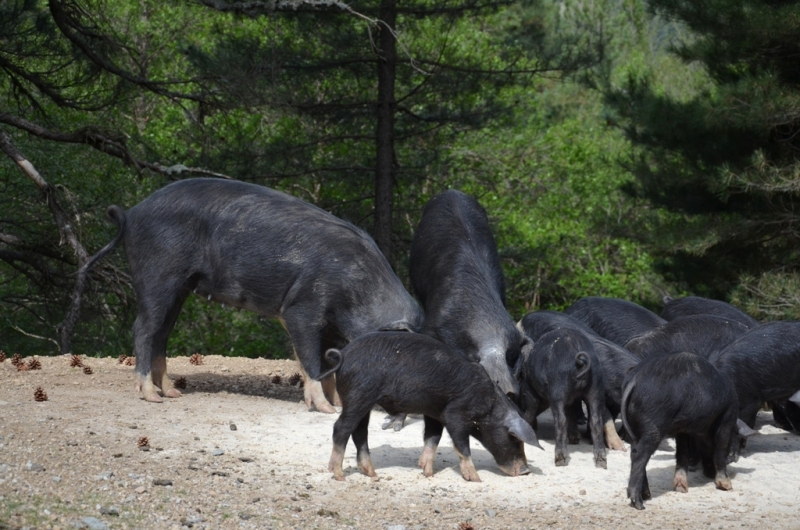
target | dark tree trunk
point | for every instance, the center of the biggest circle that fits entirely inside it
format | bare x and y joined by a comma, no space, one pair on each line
384,167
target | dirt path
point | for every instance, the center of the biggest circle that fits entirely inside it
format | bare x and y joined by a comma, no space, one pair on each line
73,460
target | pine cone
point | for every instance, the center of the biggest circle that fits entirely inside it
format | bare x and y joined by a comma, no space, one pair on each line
40,394
196,359
2,356
143,443
295,378
130,361
75,361
465,525
34,364
87,370
180,383
122,358
276,379
22,367
16,360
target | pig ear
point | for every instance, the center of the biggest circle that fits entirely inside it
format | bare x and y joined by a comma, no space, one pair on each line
519,429
744,430
399,325
795,398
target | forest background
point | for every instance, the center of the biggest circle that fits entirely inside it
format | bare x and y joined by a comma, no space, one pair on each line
621,148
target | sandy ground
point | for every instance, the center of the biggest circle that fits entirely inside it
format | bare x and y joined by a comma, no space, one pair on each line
73,461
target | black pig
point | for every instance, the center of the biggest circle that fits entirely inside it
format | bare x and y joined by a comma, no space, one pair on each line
560,370
764,365
614,319
251,247
697,305
699,334
615,362
455,272
412,373
684,396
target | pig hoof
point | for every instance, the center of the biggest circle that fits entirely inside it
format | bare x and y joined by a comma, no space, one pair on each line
472,478
601,463
561,461
325,407
340,478
153,398
172,393
724,484
638,504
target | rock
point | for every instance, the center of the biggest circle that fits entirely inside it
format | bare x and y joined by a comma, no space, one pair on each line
93,523
56,479
31,466
396,527
140,490
245,459
582,492
111,510
105,475
191,521
491,514
217,452
233,426
162,482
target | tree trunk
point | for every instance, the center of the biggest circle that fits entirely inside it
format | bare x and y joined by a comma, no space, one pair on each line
62,220
384,168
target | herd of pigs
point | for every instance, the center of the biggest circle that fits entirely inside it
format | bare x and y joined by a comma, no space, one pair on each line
700,372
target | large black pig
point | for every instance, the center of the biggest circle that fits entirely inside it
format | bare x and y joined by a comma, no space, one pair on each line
613,318
697,305
699,334
764,365
615,361
251,247
559,371
455,272
684,396
413,373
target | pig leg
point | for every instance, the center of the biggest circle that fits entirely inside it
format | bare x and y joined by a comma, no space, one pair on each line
573,412
362,447
613,440
596,427
432,436
641,451
156,317
349,421
560,417
307,341
680,481
723,439
460,437
329,390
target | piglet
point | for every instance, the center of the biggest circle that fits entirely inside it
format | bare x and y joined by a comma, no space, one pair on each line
413,373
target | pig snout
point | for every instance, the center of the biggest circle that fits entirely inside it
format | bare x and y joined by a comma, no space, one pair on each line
516,468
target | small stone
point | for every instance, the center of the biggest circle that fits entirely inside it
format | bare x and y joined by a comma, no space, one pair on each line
219,473
491,514
437,510
233,426
32,466
162,482
191,521
245,459
140,489
582,492
396,527
217,452
105,475
93,523
111,510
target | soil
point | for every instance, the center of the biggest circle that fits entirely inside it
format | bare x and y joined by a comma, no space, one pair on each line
240,450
